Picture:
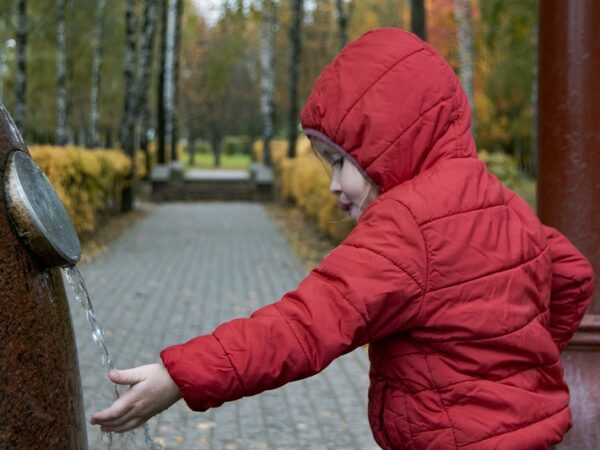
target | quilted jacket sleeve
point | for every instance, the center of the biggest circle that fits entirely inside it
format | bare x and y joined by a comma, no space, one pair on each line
572,287
359,293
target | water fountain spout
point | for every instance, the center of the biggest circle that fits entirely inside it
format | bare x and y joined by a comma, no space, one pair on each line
37,213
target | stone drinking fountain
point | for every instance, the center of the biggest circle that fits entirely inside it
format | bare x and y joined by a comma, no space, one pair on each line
41,403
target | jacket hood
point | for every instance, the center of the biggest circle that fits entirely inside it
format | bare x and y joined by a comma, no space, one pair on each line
393,105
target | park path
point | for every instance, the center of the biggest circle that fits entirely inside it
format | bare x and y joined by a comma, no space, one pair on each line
180,272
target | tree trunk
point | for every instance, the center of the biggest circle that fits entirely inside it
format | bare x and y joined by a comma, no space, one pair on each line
176,56
61,75
129,99
169,91
191,144
417,18
144,144
160,126
267,104
144,63
144,70
92,139
108,138
344,15
295,38
462,11
534,108
20,115
216,146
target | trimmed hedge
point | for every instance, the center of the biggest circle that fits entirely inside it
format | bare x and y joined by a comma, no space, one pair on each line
305,182
89,182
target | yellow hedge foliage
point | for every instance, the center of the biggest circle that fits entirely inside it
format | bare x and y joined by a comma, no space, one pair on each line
305,182
89,182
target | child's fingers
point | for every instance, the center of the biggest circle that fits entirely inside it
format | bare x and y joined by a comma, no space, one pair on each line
127,376
118,422
129,425
119,408
122,427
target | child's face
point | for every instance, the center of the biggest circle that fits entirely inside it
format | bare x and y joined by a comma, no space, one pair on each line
354,191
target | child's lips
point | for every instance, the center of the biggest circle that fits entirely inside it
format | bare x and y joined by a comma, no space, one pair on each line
345,205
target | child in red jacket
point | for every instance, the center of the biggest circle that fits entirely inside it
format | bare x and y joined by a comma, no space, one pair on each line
465,298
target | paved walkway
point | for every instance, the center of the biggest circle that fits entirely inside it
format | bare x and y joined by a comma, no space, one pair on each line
177,274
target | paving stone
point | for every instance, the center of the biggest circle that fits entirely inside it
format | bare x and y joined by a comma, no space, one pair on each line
177,274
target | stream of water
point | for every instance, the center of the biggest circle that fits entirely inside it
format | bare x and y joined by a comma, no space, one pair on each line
77,283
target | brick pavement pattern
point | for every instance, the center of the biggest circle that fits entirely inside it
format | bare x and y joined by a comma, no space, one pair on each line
177,274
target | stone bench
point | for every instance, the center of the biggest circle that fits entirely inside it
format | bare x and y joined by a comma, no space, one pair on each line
171,183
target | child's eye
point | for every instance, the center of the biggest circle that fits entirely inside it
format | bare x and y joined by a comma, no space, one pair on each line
337,160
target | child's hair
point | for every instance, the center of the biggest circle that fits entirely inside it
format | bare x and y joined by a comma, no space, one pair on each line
369,191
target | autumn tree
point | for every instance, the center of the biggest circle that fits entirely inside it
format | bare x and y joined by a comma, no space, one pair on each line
344,13
61,74
465,50
418,18
127,134
21,74
193,80
92,138
176,63
267,48
505,62
160,96
296,51
141,113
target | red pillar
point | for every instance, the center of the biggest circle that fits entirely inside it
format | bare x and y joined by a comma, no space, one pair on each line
569,177
569,124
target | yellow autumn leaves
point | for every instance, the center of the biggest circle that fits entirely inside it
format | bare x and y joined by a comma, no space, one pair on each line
89,182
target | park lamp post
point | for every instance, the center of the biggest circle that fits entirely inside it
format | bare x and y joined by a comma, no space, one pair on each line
6,46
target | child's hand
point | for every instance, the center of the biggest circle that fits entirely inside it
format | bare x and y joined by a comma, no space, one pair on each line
152,391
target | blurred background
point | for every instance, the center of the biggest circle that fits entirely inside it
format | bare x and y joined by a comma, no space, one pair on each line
125,102
219,84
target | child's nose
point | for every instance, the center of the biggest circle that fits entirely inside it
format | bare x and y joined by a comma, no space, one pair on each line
334,186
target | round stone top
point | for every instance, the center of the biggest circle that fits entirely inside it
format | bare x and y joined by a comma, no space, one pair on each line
37,213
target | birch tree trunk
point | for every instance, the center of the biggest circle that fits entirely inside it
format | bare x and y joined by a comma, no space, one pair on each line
462,11
61,75
295,39
20,115
160,107
417,18
92,139
169,91
127,133
267,103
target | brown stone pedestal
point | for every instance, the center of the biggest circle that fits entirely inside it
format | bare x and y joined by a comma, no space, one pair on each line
40,389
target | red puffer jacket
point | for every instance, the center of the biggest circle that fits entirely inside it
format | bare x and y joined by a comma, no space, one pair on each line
465,298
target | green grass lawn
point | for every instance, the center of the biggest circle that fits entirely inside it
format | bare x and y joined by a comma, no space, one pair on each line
206,161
